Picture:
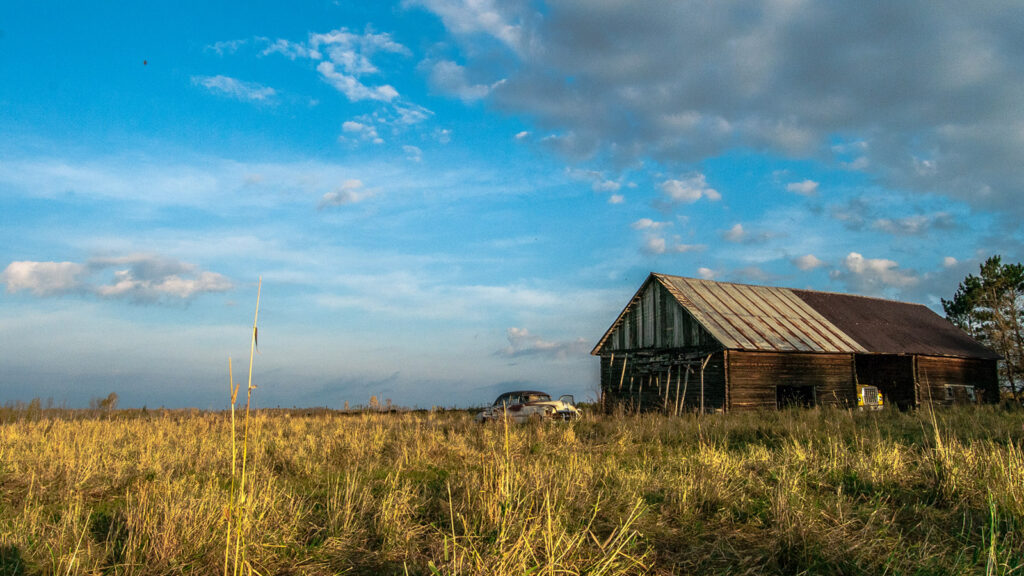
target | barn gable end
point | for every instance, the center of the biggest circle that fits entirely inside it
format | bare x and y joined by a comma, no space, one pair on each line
654,319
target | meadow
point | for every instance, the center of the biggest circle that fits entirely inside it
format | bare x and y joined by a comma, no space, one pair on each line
816,491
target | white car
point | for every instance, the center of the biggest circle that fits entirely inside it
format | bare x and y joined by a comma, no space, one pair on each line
523,405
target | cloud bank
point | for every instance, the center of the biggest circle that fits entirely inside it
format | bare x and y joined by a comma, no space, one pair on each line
924,95
234,88
523,343
139,278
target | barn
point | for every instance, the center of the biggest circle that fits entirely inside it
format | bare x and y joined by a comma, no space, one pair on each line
684,344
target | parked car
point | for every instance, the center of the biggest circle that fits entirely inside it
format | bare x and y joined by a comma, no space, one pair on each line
522,405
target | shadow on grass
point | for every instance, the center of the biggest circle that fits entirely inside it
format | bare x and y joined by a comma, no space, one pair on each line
11,563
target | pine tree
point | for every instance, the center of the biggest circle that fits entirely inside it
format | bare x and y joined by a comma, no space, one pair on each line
989,307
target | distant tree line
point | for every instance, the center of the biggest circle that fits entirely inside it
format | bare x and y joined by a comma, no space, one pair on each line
990,307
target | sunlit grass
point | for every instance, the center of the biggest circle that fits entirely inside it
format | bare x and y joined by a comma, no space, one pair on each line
815,491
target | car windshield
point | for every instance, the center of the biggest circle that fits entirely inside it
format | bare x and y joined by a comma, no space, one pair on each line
513,398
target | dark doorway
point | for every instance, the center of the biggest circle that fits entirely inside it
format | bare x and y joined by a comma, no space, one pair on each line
787,396
893,376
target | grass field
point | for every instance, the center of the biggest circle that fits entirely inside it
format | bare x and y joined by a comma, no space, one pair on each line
803,491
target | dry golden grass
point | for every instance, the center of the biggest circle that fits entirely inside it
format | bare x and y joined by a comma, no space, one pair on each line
814,492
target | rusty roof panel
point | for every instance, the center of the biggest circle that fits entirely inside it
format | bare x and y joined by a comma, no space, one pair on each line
747,317
825,328
761,299
781,336
889,327
703,295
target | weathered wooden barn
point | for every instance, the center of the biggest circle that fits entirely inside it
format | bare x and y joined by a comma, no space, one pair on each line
685,344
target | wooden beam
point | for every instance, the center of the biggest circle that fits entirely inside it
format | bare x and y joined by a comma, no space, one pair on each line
686,383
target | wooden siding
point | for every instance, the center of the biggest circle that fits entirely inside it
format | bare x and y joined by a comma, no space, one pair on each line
934,373
754,376
655,320
646,385
892,374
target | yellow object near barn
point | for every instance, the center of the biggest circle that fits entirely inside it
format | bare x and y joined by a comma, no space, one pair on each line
870,398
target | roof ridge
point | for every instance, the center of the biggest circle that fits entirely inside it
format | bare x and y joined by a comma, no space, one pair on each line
829,292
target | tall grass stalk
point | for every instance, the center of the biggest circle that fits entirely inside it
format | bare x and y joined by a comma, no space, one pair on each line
241,502
231,510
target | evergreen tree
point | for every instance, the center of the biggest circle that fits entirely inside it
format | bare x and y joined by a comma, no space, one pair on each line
989,307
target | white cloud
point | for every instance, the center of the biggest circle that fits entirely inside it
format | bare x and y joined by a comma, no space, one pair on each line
706,273
142,278
352,88
803,188
688,190
875,274
648,224
290,50
394,119
345,58
659,245
366,132
522,135
351,126
654,245
126,285
226,46
449,78
43,278
739,234
735,234
925,167
234,88
413,153
752,274
850,148
353,50
487,17
854,213
682,248
949,262
408,114
915,225
807,262
598,181
523,343
350,192
858,164
616,199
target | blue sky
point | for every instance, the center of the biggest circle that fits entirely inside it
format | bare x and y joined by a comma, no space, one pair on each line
449,198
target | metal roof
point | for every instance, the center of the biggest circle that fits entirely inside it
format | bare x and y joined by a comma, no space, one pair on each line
762,318
745,317
889,327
